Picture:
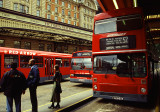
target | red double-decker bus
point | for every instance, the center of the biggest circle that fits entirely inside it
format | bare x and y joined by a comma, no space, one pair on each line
44,60
81,67
123,61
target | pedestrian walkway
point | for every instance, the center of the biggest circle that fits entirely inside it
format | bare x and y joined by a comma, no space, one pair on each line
66,101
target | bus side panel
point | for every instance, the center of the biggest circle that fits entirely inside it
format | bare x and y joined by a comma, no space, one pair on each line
65,71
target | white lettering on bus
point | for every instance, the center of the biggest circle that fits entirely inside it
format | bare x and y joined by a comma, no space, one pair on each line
19,52
117,34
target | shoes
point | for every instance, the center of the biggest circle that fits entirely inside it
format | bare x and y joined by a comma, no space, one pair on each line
57,106
51,107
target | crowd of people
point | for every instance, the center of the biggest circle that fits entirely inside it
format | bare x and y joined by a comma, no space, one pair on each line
14,84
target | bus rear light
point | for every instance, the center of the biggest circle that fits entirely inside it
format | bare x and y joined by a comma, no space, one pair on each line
143,90
95,79
95,87
143,81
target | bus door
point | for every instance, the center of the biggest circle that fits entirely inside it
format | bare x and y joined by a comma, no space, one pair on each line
48,67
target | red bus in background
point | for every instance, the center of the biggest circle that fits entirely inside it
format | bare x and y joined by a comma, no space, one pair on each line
123,60
81,67
44,60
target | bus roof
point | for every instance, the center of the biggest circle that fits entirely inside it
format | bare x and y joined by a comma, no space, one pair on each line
15,51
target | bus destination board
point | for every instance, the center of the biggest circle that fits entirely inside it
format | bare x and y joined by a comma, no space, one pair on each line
82,54
123,42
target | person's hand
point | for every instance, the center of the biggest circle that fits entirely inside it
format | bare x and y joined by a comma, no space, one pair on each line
23,91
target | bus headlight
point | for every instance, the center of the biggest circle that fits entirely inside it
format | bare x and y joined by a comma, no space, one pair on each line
95,87
143,90
72,75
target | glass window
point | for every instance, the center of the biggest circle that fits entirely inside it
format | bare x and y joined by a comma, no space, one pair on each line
15,6
1,3
49,7
22,8
49,47
124,23
75,8
69,13
63,3
75,15
59,62
74,23
66,62
62,11
27,45
81,63
48,16
63,20
39,61
69,22
41,46
56,9
56,18
69,5
38,12
24,61
38,2
27,9
56,1
17,44
1,43
8,59
124,65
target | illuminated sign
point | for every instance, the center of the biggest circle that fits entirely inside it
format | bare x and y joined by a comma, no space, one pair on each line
123,42
82,54
19,52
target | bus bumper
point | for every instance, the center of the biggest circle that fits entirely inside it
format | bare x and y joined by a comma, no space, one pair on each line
87,81
120,96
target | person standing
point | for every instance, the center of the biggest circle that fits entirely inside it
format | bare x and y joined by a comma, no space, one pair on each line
32,82
14,84
56,88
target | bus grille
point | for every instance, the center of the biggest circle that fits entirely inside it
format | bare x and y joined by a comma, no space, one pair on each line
81,75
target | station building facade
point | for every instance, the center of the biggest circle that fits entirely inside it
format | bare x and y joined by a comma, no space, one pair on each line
47,25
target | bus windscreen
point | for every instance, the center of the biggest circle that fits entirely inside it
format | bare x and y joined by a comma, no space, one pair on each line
81,64
124,65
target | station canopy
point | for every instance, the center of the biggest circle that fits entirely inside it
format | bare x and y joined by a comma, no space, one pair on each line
151,10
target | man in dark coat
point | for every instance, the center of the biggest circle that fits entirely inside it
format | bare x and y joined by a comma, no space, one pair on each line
13,84
32,82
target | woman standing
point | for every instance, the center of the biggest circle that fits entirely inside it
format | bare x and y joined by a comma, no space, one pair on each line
56,88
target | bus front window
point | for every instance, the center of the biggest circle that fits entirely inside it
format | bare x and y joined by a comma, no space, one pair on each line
81,63
124,65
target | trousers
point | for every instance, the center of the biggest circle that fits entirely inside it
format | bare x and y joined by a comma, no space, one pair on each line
17,99
33,97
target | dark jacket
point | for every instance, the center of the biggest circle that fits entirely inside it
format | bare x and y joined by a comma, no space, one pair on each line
13,83
33,77
57,78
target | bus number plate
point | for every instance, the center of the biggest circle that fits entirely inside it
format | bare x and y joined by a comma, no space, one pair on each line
82,80
117,98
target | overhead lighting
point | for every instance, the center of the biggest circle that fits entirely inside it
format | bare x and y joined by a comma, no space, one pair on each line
115,4
135,3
